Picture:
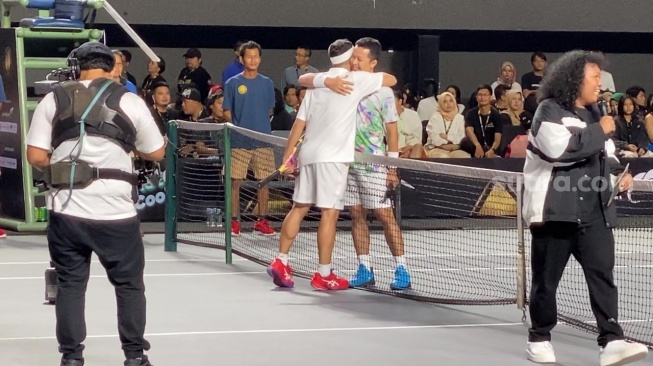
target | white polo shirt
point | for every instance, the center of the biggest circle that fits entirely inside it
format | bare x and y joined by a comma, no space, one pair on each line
331,118
104,199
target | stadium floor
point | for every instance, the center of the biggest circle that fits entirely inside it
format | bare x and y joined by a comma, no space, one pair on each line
233,315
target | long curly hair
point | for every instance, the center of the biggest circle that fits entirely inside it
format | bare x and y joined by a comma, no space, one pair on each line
563,79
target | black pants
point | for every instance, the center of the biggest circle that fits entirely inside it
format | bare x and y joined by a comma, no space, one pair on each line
119,246
592,245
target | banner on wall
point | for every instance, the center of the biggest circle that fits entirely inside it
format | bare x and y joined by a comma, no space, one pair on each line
12,201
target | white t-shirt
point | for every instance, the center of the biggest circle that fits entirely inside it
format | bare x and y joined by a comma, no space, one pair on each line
410,128
104,199
331,118
515,87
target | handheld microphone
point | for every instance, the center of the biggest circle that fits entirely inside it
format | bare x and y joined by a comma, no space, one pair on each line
603,108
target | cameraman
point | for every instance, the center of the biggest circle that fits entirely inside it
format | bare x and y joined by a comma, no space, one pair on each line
97,214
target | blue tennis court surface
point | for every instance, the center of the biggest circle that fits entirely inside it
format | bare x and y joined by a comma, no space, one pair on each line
202,311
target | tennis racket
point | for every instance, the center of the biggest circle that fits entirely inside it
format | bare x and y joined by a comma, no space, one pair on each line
291,163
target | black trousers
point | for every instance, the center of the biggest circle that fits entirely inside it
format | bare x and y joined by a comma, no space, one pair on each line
592,245
119,246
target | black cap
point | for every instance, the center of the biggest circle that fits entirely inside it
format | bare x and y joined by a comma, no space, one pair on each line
192,94
193,52
92,48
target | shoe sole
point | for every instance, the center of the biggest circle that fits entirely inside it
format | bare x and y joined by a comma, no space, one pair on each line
277,279
535,359
630,359
234,234
397,288
366,284
324,288
263,234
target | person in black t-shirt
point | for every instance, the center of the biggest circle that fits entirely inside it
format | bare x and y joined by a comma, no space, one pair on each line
194,73
162,113
483,127
282,120
530,81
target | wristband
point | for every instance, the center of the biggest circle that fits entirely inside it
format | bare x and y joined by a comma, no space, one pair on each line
393,154
318,81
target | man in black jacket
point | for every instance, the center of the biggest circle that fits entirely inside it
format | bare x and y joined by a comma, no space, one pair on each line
569,175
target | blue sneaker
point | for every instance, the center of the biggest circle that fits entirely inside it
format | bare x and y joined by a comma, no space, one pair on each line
363,277
402,279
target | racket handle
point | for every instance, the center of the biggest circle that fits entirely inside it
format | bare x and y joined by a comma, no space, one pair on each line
268,179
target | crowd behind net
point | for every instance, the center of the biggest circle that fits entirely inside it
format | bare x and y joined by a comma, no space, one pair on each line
464,243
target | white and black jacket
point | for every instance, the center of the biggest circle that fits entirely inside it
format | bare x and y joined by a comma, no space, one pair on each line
563,150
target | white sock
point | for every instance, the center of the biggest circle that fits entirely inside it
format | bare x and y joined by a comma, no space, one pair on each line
283,258
324,270
364,259
401,261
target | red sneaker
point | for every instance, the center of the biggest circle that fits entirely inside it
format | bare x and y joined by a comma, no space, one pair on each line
330,282
262,227
3,234
235,228
281,273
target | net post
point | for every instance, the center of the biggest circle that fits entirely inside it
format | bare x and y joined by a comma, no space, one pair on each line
171,189
521,252
227,193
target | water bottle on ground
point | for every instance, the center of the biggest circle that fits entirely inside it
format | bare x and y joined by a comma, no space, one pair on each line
218,217
209,216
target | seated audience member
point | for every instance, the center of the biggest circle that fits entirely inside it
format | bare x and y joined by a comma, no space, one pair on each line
630,133
530,81
446,129
427,106
161,110
639,94
515,114
214,102
191,104
483,127
500,100
301,93
282,120
118,72
455,91
291,99
154,70
507,76
410,130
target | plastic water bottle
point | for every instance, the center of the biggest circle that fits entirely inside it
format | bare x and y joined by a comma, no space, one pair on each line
209,217
218,217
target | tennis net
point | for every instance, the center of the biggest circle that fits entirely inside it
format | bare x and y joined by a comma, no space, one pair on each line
462,233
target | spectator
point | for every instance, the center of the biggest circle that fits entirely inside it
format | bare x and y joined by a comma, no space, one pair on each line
282,120
483,127
507,76
291,99
119,70
154,70
194,75
515,115
446,129
410,130
530,81
430,105
500,100
215,103
292,73
161,110
248,103
235,67
455,91
639,94
128,59
630,133
301,93
191,104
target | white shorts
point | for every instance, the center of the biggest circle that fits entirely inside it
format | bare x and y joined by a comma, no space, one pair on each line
367,189
322,185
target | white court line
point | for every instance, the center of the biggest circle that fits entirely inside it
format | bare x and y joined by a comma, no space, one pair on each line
150,275
267,331
146,261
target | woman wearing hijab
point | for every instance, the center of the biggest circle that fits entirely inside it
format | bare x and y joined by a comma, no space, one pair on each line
507,77
446,129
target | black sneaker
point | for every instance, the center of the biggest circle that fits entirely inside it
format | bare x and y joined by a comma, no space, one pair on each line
65,362
143,361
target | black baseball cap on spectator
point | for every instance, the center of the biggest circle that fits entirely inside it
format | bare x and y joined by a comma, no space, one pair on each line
192,94
193,52
159,84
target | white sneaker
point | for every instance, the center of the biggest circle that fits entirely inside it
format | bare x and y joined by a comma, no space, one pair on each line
541,352
618,353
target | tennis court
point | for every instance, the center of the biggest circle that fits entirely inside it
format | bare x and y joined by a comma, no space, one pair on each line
203,311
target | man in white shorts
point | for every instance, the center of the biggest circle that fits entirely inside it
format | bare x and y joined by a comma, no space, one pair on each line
376,118
328,119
